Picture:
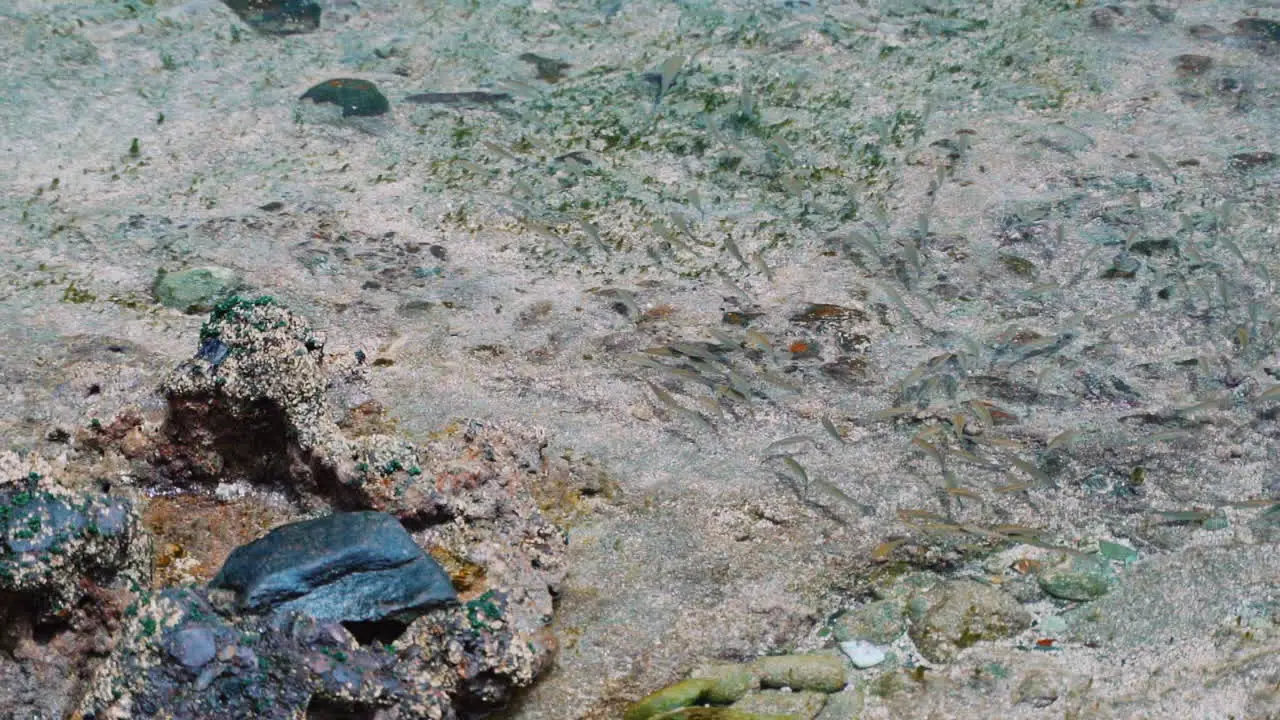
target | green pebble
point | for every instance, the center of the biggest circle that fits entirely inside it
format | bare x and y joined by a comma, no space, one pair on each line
354,96
1116,551
672,697
1083,578
717,713
879,622
822,673
731,682
803,705
196,290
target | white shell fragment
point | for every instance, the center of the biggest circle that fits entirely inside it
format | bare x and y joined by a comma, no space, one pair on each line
862,653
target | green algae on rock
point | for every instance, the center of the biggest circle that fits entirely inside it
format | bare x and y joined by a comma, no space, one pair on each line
803,705
879,621
277,17
195,290
354,96
732,681
1086,577
821,673
673,697
717,713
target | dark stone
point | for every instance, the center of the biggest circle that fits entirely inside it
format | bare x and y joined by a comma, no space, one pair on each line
213,351
354,96
1260,29
354,567
1252,160
548,69
1229,86
37,521
193,647
1190,64
270,668
277,17
1153,246
1205,32
1104,18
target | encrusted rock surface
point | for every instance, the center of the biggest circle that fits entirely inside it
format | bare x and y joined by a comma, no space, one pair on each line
954,615
1006,270
348,611
55,543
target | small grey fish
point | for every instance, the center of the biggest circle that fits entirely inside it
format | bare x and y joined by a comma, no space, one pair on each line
733,249
474,97
693,349
832,431
776,445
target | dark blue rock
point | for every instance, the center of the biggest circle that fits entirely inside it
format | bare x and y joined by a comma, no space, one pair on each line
213,351
353,95
278,17
193,647
347,567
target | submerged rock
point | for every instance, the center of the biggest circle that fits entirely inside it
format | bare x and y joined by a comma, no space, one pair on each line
196,290
193,647
1086,577
1260,29
277,17
673,697
717,713
1038,689
1252,160
955,615
349,567
354,96
182,659
804,705
54,544
298,620
820,673
862,654
732,681
880,622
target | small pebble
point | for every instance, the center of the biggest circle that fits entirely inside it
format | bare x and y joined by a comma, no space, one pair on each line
862,653
1190,64
193,647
